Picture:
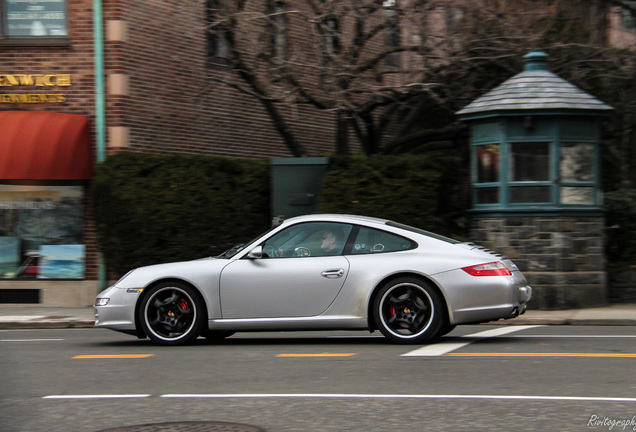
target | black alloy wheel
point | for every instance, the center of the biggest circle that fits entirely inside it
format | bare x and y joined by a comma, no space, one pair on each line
407,310
172,313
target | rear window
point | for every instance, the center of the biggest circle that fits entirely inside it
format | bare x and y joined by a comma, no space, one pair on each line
369,240
423,232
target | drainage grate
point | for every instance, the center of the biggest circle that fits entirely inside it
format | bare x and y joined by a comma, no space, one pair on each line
187,427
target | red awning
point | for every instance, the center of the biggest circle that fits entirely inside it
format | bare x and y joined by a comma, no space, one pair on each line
44,146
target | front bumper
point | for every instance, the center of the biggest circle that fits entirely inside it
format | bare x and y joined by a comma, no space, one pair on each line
119,312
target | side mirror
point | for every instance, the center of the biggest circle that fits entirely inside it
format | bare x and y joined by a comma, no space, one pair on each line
256,253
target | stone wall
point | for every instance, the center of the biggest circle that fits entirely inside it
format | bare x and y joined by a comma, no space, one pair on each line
562,257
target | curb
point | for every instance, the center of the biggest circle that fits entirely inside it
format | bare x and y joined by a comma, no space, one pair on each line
34,325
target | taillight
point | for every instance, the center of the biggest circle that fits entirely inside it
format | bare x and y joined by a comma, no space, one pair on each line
496,268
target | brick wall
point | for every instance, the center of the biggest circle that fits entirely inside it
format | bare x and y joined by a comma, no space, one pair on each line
562,257
165,96
75,59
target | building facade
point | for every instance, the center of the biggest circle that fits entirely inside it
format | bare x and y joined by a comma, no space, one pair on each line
83,79
144,79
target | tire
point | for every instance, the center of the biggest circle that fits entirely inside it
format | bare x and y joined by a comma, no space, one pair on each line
172,313
408,311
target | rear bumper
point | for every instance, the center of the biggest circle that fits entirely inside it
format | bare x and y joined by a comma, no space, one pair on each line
520,297
525,295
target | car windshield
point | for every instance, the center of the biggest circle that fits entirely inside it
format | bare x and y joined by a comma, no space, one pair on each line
423,232
239,247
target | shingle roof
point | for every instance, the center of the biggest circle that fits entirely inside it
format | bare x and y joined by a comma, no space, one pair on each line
534,89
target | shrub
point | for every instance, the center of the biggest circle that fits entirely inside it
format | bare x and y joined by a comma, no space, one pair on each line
156,208
621,233
427,191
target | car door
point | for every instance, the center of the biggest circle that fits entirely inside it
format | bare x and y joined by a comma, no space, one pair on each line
295,277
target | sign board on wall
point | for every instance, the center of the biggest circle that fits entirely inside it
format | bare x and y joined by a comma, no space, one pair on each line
36,18
39,81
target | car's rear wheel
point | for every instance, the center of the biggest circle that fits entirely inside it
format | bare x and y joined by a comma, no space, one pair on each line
407,310
172,313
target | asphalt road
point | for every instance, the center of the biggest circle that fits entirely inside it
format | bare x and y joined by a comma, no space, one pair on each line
478,378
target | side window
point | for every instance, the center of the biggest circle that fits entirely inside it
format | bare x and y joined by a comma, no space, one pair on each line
218,45
308,239
371,240
278,30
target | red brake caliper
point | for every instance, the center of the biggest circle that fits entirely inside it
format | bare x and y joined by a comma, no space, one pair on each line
183,304
392,311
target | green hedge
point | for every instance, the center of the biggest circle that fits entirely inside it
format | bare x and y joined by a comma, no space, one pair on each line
427,191
621,228
151,209
156,208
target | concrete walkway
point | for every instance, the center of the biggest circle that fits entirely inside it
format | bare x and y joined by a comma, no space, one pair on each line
18,316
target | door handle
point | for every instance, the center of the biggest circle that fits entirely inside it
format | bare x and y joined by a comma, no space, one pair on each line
333,274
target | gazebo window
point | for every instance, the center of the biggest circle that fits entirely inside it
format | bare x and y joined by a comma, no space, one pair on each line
535,145
529,173
487,161
529,162
524,174
578,179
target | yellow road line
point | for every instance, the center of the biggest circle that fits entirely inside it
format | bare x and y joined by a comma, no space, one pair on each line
318,355
113,356
619,355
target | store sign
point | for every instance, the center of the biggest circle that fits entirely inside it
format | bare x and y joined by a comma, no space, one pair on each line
36,18
33,80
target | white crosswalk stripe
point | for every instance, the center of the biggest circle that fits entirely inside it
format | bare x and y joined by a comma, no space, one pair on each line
442,348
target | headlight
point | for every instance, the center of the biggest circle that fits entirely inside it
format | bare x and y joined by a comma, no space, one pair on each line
103,301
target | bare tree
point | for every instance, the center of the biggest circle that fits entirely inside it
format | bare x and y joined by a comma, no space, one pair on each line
391,73
341,57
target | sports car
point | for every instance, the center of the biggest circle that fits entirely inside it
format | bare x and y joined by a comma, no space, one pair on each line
320,272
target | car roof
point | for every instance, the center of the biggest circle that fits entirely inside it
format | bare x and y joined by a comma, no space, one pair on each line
385,224
337,218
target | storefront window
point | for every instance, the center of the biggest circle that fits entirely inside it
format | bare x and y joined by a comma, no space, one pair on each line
33,19
41,232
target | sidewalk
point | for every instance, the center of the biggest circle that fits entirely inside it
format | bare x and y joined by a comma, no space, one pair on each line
19,316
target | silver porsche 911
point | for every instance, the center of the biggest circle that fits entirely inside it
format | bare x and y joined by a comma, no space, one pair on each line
320,272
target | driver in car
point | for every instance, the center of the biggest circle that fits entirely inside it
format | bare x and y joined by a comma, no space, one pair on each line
332,242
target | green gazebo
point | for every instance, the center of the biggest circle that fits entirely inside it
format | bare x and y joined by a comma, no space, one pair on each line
536,189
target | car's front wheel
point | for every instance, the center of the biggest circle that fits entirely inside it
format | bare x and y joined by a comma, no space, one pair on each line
407,310
172,313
